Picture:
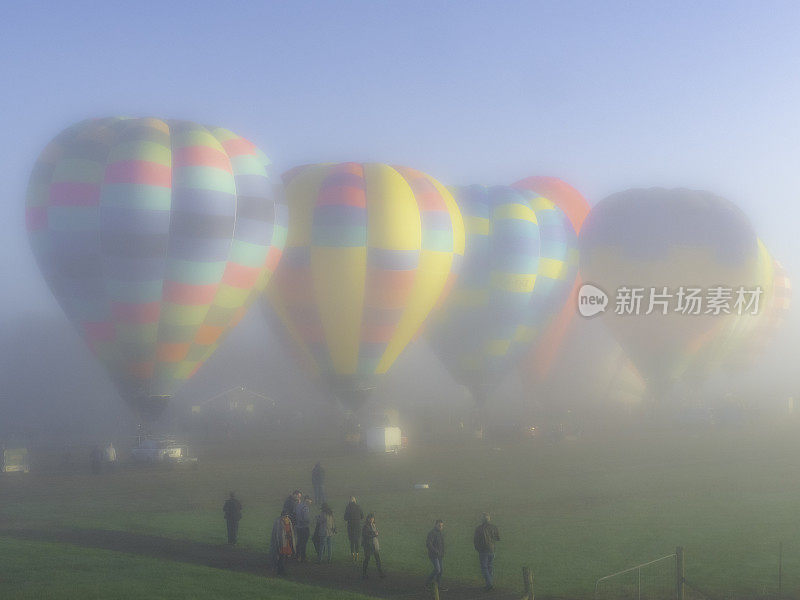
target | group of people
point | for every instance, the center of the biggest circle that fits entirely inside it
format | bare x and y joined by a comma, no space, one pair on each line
484,539
291,532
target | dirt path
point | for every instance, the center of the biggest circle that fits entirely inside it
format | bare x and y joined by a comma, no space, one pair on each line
396,585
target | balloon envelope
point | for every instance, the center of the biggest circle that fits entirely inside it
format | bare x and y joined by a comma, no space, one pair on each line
519,259
651,239
562,194
537,364
155,237
371,249
753,333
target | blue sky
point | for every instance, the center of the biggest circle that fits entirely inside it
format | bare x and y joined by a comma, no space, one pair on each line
607,95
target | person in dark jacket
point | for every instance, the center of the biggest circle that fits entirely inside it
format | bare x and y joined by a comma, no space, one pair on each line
353,515
372,547
435,545
282,543
486,535
302,519
291,503
318,482
232,509
326,530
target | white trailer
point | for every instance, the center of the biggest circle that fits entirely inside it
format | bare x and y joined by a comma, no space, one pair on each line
384,439
15,460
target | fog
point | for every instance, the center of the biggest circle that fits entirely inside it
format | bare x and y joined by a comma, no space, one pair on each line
608,444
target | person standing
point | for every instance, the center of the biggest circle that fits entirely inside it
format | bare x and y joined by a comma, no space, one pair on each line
353,515
435,545
302,518
486,535
290,504
110,454
282,543
318,482
327,529
232,509
372,547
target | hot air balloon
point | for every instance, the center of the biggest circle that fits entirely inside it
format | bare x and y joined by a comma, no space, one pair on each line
755,332
594,374
538,362
563,195
732,338
666,244
371,249
155,237
520,257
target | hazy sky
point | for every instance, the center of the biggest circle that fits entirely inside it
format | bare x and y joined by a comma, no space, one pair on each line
608,95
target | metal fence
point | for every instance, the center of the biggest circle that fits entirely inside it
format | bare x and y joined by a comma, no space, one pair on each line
659,579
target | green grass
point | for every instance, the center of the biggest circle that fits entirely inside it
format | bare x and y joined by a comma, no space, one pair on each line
573,512
40,570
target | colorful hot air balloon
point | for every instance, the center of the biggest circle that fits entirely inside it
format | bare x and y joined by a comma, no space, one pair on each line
538,362
755,333
519,260
651,239
563,195
370,250
155,237
732,337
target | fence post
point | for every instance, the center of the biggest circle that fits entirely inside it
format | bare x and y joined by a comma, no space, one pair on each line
680,579
780,570
527,583
435,590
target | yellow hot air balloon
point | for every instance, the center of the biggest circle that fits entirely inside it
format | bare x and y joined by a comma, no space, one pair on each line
371,249
676,246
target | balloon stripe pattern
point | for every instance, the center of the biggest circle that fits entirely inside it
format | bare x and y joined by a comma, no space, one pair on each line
518,256
543,355
558,265
155,236
371,248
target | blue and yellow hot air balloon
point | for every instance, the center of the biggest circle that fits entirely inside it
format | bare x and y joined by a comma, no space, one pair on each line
652,239
519,262
371,249
544,353
155,237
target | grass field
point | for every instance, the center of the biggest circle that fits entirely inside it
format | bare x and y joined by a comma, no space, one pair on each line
39,571
572,511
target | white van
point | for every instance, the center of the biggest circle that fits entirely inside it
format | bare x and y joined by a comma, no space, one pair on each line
160,451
